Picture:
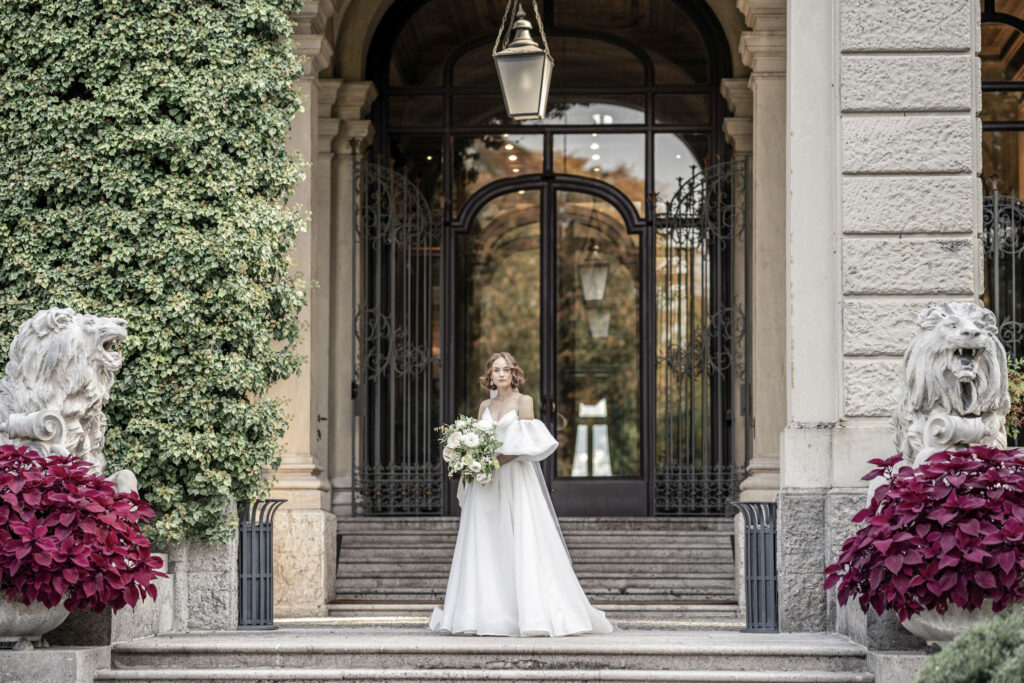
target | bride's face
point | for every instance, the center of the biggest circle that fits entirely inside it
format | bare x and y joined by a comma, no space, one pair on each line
501,374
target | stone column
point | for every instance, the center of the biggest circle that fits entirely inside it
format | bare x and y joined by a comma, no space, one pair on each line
883,218
355,134
763,49
304,529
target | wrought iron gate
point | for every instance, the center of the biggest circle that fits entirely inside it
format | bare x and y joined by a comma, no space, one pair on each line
1003,238
396,270
702,347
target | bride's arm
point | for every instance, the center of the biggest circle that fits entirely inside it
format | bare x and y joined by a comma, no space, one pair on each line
482,408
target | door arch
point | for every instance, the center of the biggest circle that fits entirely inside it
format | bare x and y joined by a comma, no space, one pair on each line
518,260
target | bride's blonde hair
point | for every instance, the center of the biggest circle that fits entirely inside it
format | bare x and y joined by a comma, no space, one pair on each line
518,378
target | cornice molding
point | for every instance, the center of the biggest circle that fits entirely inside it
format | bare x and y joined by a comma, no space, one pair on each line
764,51
313,16
739,97
316,49
764,15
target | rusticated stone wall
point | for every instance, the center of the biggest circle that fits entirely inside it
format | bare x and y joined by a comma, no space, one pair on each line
884,205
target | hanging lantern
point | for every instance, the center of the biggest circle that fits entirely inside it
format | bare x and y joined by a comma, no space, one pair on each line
593,272
599,319
524,66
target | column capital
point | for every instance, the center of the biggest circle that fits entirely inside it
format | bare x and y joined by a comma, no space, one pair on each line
764,15
327,129
764,52
316,49
739,97
312,16
354,137
354,100
739,133
330,89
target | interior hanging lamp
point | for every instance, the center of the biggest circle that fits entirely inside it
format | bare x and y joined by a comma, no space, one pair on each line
524,66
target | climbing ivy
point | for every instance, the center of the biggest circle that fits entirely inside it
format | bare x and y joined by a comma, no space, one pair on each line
143,173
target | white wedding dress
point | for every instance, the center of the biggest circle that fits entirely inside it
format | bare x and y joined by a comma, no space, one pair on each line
511,574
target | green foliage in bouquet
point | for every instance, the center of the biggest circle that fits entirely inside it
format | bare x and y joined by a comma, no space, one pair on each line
991,652
143,173
1015,418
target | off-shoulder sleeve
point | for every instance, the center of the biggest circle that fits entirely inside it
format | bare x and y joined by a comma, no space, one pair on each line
528,440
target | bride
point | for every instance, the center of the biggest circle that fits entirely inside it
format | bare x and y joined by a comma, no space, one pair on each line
511,574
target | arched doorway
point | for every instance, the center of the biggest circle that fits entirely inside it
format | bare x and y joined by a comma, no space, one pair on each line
524,209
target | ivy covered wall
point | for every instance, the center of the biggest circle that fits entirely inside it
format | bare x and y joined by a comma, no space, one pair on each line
143,174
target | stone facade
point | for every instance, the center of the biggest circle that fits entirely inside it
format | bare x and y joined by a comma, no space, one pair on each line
899,185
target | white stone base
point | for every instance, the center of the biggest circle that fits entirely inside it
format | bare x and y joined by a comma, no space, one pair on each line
305,543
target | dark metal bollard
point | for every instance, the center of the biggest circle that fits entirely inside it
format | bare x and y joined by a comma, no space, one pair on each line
256,564
760,575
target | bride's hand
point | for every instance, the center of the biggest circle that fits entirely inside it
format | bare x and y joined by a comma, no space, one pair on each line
505,459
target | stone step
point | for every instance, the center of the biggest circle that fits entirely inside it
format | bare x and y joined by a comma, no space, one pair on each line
616,580
639,594
582,568
624,540
298,675
600,554
567,523
414,648
657,611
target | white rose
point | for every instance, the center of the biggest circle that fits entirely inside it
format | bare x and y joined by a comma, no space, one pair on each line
471,440
460,424
475,466
447,453
454,440
484,478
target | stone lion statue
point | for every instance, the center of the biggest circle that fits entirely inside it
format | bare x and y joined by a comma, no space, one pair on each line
59,373
954,391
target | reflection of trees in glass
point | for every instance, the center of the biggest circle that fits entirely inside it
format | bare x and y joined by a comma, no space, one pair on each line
502,292
594,368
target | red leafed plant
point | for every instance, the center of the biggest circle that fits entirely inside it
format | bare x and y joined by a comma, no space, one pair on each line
949,531
65,533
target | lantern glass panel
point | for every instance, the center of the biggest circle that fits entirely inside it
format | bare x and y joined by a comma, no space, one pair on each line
525,79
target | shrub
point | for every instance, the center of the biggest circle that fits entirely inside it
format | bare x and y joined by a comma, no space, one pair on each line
65,533
142,175
951,530
990,652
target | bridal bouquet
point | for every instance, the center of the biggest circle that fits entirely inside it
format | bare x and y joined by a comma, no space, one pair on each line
470,449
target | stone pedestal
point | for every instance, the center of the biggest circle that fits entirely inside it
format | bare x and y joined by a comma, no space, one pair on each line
149,617
305,550
53,664
205,586
801,560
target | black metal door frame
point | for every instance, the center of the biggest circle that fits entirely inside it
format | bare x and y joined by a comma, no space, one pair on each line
614,496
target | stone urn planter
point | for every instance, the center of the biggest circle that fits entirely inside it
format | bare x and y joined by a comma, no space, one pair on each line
23,625
941,629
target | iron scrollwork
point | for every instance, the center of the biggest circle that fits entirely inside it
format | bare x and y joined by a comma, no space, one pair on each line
396,270
702,345
1003,239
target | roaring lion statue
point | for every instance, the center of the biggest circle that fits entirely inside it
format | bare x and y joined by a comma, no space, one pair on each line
955,390
58,378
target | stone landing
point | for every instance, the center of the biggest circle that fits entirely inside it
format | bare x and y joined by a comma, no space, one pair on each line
415,654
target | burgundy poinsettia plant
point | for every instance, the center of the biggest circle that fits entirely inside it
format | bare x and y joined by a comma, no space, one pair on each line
67,534
948,531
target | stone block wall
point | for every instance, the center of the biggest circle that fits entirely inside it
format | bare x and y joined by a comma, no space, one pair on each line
885,148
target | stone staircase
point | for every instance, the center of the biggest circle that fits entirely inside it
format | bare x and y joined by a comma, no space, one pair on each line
634,568
414,654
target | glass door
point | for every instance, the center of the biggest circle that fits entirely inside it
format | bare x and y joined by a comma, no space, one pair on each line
553,276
